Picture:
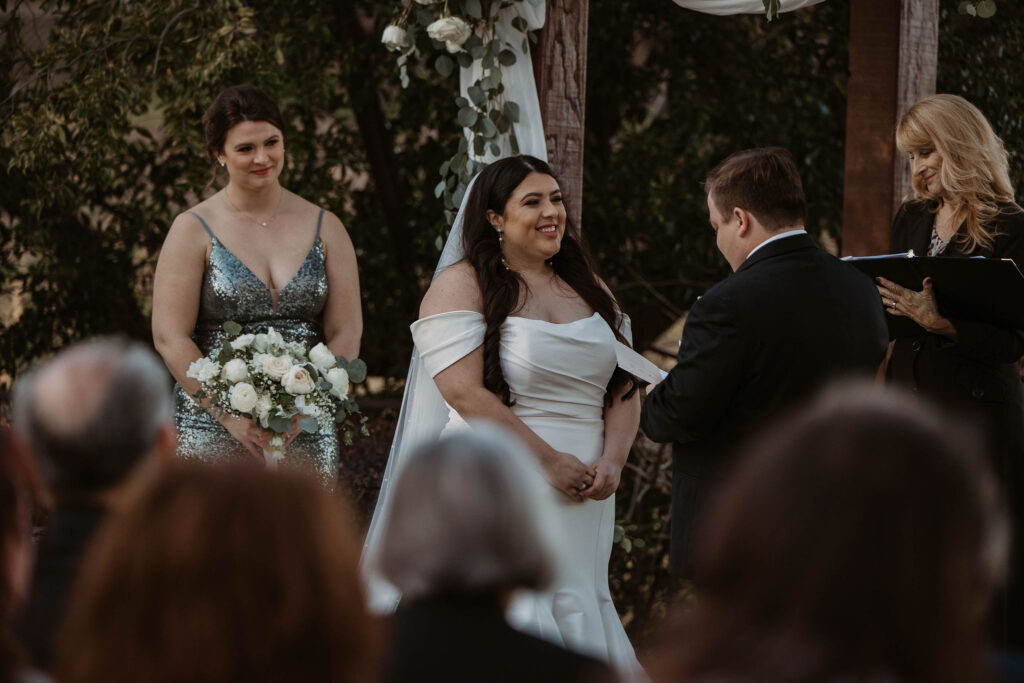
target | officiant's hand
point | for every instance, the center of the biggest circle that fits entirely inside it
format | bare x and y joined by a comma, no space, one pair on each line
606,479
918,306
247,433
568,474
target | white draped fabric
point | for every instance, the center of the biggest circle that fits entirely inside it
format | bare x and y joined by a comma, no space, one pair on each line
520,86
724,7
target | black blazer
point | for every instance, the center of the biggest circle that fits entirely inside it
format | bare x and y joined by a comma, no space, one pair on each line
789,319
68,533
978,372
458,639
977,377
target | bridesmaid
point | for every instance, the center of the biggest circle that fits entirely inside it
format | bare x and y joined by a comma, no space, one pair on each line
261,256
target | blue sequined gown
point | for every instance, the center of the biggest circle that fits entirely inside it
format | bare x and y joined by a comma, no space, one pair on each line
233,292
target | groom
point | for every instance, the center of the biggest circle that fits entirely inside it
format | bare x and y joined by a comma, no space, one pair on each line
790,318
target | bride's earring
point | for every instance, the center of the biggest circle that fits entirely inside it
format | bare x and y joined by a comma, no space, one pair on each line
501,248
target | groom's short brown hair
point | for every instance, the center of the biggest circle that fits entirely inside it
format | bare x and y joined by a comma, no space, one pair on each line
763,181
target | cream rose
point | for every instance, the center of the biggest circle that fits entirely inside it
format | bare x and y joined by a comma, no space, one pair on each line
241,342
394,37
338,377
297,381
275,367
203,369
260,342
262,408
274,337
235,370
322,357
450,29
453,48
243,397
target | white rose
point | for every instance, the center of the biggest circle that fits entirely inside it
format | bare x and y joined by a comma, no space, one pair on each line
275,367
262,408
394,37
203,369
338,378
322,357
260,342
239,343
235,370
451,29
274,337
304,408
297,381
453,48
243,397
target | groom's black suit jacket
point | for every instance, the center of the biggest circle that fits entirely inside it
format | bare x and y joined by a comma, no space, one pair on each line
789,319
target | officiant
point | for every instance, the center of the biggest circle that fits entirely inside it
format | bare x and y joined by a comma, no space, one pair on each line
963,205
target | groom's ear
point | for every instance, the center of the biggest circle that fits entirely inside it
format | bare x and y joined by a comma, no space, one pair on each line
494,218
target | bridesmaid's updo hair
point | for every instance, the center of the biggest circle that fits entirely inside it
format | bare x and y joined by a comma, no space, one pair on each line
501,287
234,105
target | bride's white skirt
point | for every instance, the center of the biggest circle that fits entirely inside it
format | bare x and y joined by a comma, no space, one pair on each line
577,611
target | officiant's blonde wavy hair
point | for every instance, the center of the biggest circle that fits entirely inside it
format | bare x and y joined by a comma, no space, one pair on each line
974,161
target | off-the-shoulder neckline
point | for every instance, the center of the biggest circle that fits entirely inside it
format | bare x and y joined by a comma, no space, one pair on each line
511,317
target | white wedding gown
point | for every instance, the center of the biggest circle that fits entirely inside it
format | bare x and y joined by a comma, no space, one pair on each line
557,374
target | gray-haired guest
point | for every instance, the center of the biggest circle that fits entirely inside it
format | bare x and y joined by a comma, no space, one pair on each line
466,531
93,416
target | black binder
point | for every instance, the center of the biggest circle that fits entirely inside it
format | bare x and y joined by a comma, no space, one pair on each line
968,288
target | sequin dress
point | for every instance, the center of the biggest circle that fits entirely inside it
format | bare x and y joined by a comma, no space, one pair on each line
233,292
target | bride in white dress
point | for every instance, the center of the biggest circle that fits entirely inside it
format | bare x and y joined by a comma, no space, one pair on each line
521,331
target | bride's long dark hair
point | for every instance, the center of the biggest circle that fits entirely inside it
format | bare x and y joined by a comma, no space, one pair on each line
501,287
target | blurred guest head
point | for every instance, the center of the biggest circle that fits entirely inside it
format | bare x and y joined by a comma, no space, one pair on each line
752,195
217,574
862,537
94,412
21,496
466,520
955,156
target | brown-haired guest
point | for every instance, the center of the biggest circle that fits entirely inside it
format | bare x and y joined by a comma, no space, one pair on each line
21,496
859,540
261,256
790,318
222,574
963,205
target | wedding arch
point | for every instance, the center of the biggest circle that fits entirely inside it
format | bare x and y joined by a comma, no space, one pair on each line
893,58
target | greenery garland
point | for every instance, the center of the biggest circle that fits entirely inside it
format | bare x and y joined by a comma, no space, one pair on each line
455,33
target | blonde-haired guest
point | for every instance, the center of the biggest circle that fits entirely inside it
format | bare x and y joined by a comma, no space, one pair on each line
963,205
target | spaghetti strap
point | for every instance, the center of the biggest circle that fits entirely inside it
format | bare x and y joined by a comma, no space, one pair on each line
210,232
319,220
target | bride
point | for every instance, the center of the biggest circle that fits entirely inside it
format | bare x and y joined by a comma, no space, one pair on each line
520,330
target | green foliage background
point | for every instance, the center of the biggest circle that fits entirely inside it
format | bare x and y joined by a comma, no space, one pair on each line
101,148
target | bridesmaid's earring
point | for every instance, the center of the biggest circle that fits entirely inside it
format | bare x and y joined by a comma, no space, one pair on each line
222,164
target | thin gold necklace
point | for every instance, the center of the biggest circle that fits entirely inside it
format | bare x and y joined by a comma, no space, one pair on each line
262,224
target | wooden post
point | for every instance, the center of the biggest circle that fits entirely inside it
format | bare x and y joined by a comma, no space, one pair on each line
893,58
560,67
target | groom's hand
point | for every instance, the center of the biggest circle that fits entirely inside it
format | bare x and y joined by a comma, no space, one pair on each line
606,479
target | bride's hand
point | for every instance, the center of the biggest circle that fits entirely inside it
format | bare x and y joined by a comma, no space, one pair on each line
568,474
247,433
606,479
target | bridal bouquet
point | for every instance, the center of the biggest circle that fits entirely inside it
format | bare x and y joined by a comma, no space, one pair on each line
270,380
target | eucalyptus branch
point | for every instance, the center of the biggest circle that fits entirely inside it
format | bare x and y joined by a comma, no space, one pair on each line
453,35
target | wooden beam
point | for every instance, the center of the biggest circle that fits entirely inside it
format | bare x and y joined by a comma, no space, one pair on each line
560,68
919,59
893,58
